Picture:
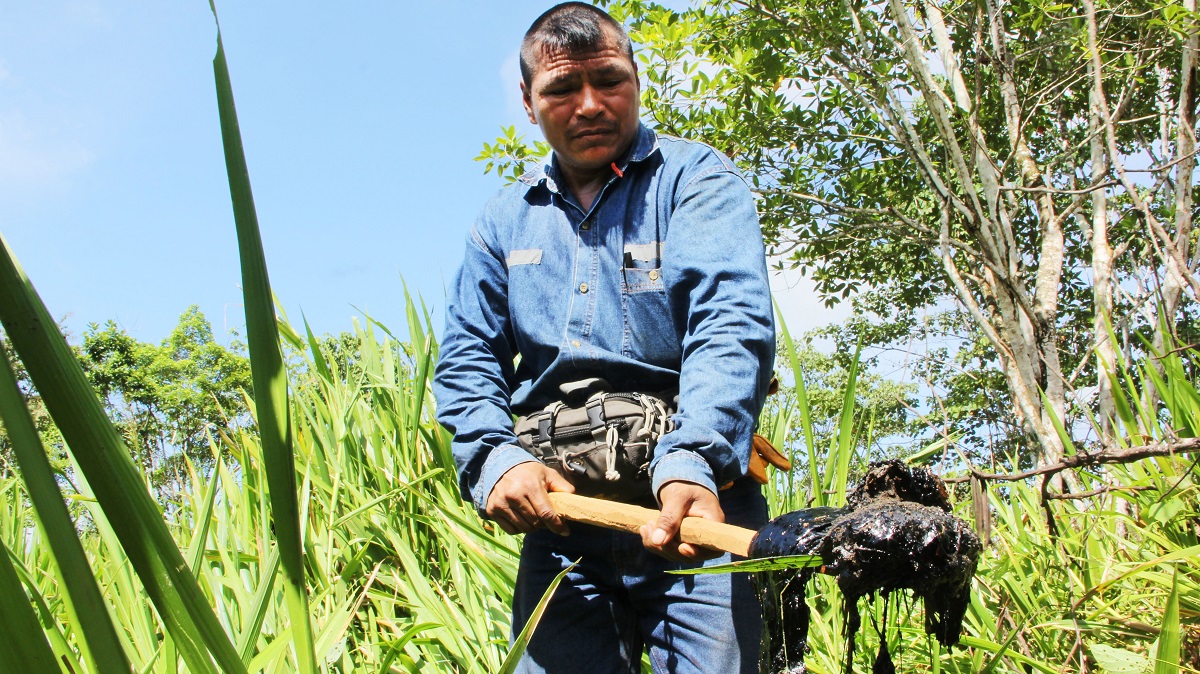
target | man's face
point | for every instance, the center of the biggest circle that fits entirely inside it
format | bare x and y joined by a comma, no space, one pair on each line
586,104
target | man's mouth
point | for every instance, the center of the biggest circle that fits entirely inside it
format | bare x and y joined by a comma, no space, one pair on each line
587,133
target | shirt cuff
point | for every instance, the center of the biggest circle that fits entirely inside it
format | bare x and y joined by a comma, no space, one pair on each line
682,465
495,466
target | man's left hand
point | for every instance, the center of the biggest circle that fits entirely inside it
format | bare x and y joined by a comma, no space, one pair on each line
681,499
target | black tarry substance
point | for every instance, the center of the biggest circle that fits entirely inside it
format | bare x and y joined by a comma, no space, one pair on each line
895,533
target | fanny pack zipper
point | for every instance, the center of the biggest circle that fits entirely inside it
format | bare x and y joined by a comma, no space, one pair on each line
580,432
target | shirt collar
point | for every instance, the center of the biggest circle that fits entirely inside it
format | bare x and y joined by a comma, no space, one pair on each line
644,145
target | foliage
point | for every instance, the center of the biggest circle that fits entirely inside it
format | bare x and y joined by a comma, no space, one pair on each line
169,398
510,156
166,399
403,574
42,421
1066,583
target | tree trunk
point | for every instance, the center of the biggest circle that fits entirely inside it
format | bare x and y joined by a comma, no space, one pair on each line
1185,147
1102,285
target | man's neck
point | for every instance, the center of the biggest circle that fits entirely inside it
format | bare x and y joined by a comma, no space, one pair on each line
586,186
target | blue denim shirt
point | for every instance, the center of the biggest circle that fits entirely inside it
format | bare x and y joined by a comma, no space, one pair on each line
662,283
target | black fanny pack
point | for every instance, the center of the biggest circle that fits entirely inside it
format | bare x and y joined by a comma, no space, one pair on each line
604,442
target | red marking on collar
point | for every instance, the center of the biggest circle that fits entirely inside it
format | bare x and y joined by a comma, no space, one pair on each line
619,172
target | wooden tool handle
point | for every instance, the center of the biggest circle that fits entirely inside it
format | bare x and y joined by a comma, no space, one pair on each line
625,517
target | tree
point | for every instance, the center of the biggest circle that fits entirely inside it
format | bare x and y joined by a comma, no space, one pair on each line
169,399
37,410
1028,163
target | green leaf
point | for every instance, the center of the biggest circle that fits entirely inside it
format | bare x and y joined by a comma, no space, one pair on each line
89,611
258,607
522,641
993,647
23,645
931,450
838,467
817,494
1167,652
267,369
1118,660
752,565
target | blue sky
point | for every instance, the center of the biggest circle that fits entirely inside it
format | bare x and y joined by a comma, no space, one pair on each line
360,122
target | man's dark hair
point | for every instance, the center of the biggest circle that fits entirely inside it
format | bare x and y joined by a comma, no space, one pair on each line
573,27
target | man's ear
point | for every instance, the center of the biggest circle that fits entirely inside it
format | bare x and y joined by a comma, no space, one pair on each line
528,103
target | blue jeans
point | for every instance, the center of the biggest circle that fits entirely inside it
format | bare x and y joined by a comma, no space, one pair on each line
619,600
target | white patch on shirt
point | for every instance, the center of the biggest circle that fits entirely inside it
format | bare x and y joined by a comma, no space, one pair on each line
526,256
645,252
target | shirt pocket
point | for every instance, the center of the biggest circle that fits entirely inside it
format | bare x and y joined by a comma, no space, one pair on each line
641,269
637,280
649,335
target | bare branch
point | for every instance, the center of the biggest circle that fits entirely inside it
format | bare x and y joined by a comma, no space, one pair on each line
1096,492
1057,190
1109,455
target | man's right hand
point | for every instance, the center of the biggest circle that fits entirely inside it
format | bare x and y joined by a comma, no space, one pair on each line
519,502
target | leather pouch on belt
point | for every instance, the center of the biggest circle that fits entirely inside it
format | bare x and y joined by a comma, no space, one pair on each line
763,452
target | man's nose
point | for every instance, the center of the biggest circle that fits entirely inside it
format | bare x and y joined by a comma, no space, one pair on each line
589,102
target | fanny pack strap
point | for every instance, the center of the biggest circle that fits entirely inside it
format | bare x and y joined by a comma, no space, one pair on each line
604,434
545,425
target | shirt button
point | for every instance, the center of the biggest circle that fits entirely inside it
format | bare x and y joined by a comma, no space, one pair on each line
583,287
653,274
585,225
575,343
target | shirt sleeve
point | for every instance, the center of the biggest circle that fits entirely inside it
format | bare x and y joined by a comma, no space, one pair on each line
474,367
715,261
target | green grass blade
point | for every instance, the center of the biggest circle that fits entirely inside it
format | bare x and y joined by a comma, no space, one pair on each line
1167,655
931,450
105,461
266,368
1068,442
842,444
23,645
58,641
998,656
314,348
817,495
522,640
87,604
993,647
203,521
258,610
749,565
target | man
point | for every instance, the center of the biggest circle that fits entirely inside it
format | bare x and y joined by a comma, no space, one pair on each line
638,259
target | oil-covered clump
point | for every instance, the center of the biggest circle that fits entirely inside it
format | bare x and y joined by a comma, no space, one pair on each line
896,533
